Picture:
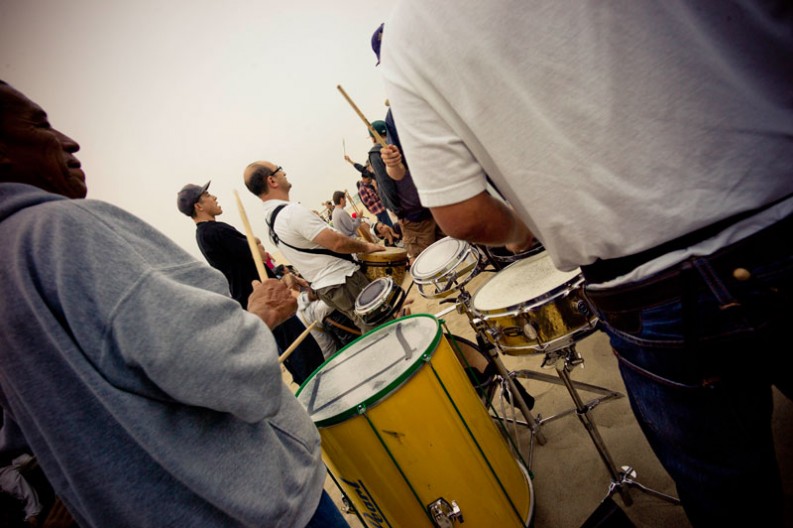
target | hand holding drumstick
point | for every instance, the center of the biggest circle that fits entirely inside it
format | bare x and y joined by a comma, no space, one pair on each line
272,301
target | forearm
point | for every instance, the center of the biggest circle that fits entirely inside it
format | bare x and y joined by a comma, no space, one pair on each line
396,172
482,219
339,243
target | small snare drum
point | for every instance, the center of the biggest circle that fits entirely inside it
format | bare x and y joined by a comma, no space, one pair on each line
445,266
530,306
379,301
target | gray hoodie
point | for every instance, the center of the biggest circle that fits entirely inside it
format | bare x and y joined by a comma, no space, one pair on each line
148,395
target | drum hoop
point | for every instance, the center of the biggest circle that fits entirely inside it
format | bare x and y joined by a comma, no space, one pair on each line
515,309
450,265
382,295
385,392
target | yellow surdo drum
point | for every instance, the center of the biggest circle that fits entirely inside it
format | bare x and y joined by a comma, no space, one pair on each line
406,436
389,263
530,306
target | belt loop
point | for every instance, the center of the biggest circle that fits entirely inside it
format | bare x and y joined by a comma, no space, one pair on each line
715,284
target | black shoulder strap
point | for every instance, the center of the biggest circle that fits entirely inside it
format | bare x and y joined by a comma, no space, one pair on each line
316,251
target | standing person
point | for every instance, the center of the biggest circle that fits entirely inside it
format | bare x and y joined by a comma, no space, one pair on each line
321,254
342,220
649,145
399,194
227,250
368,193
138,384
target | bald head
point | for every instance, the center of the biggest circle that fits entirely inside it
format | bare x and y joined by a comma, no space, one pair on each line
266,180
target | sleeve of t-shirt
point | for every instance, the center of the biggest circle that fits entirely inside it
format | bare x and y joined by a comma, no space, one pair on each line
305,222
443,169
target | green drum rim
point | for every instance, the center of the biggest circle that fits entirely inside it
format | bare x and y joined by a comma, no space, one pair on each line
387,390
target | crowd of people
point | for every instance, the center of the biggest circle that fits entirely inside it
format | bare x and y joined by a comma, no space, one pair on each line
653,154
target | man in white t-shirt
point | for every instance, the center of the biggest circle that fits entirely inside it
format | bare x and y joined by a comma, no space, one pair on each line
322,255
649,144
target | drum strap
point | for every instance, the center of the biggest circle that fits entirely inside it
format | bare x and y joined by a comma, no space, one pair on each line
314,251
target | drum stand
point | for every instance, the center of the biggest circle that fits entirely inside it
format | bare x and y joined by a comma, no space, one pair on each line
564,360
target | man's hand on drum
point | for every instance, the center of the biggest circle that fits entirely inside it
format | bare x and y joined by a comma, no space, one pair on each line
272,301
373,248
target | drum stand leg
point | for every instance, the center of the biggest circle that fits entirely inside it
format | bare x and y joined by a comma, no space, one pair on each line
620,480
531,422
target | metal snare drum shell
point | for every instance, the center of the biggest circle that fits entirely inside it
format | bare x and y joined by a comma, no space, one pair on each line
553,319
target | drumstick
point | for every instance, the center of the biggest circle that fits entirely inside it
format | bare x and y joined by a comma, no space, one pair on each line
257,257
372,131
352,203
294,345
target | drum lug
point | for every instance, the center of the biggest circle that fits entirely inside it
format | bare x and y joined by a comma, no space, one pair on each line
530,332
480,325
444,515
583,308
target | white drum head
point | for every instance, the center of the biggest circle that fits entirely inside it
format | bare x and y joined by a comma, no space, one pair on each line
438,258
368,369
520,282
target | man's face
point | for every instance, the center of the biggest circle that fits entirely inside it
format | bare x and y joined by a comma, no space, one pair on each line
280,177
33,152
209,204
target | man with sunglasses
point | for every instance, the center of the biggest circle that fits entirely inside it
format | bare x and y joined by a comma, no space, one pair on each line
320,253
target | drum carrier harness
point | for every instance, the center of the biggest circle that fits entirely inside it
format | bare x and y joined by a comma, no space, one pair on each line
315,251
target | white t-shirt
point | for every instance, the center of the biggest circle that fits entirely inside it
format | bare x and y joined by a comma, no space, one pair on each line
609,130
297,226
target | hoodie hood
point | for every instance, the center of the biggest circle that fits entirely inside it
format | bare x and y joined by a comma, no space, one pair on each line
15,197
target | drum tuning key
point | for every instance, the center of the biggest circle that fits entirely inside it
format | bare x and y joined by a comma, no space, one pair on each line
444,515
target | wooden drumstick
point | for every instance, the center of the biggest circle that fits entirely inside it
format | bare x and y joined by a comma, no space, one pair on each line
294,345
352,203
372,131
257,257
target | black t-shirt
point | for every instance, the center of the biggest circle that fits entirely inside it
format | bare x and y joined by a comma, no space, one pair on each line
226,249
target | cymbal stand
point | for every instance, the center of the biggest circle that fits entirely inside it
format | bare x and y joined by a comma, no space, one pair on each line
564,361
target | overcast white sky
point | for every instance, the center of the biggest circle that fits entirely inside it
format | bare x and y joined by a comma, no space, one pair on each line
163,93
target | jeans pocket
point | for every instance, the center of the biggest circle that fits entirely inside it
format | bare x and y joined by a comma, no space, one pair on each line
652,344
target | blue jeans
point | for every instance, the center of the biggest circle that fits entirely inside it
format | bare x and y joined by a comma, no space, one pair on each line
327,515
384,218
699,347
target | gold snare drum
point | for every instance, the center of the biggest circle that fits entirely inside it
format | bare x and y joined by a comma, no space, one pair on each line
530,306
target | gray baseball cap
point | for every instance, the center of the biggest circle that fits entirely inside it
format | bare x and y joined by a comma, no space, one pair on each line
189,196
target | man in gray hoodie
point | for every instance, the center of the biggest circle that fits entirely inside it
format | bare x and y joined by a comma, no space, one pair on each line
147,401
